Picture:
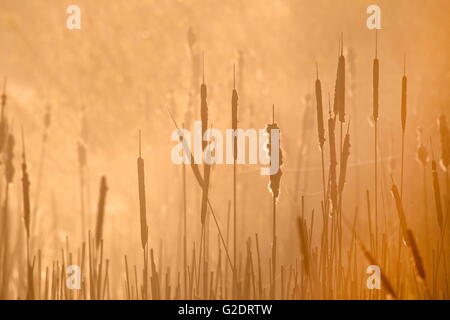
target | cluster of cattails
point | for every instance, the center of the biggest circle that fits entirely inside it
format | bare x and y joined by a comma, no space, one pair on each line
296,281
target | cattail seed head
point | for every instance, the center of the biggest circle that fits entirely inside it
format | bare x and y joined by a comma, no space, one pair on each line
415,255
404,102
344,160
445,142
9,158
400,211
421,153
142,200
3,121
101,211
275,179
333,162
25,191
437,195
375,81
82,153
47,117
4,96
319,108
203,107
234,115
339,90
375,84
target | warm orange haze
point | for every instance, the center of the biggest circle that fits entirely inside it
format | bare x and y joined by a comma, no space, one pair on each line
92,205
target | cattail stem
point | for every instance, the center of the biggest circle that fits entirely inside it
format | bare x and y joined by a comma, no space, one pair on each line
234,230
375,114
402,165
376,188
274,245
184,229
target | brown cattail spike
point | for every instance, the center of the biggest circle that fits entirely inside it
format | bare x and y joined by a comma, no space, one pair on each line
333,159
4,96
415,255
275,179
421,153
101,211
437,191
234,115
3,122
400,211
375,82
344,160
339,90
320,126
194,166
404,97
445,142
142,200
203,106
9,160
26,189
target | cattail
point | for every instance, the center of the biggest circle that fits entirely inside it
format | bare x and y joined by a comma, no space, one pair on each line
101,211
437,194
203,106
275,179
333,161
234,120
403,119
344,160
400,211
9,162
375,114
26,190
304,246
445,142
274,187
194,166
3,122
206,169
408,235
339,90
321,130
375,84
415,254
82,153
47,122
234,117
320,127
142,202
404,104
421,152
